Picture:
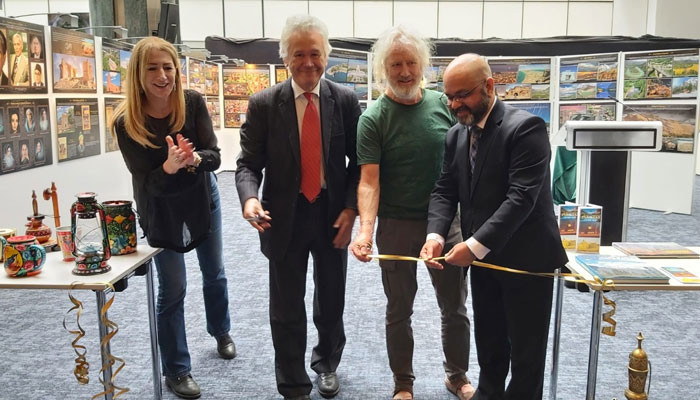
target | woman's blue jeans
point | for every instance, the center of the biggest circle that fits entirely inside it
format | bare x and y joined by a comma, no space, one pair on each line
172,285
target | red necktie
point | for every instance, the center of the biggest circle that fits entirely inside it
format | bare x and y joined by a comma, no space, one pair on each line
310,151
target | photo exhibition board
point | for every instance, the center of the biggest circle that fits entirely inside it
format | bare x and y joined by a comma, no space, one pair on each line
111,104
661,75
25,134
73,61
115,59
542,110
518,79
590,77
22,57
239,84
203,77
662,85
349,68
77,128
433,79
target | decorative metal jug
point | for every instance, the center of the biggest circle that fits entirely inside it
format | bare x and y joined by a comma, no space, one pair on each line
638,370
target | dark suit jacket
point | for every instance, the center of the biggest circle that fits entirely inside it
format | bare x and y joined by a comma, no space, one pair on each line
507,205
270,141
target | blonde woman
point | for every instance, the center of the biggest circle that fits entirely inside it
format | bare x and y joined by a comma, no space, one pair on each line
166,138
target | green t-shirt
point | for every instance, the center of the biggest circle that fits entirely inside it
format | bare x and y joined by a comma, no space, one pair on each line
407,141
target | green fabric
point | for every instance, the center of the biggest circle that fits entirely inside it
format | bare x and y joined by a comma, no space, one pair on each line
407,141
564,176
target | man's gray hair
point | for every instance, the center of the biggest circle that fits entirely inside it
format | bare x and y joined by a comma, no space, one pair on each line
303,23
400,34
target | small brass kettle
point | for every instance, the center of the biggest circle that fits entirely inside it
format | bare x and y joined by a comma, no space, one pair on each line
638,370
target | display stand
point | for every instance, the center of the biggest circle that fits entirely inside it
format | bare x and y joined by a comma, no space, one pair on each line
605,165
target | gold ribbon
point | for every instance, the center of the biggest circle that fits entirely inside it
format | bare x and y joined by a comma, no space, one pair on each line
605,285
82,366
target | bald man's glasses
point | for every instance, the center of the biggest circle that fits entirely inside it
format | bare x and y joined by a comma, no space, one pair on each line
462,95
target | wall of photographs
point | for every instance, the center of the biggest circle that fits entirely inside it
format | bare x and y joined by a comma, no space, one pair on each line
349,68
241,82
77,81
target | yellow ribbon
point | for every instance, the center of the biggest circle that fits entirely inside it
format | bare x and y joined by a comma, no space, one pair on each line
82,366
605,285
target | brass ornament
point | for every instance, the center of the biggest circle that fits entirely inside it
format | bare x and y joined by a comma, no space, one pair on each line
638,369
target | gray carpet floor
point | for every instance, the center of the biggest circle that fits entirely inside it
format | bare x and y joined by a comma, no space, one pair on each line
36,360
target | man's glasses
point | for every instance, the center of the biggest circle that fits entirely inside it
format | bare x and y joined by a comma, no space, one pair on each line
462,95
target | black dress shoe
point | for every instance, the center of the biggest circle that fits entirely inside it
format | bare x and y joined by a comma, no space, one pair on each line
184,387
328,385
225,346
302,397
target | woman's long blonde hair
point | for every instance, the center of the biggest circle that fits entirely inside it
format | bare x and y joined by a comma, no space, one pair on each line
133,106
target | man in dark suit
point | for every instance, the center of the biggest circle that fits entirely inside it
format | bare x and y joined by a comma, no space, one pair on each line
496,168
308,202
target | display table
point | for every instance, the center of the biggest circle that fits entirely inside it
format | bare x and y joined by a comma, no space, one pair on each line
692,265
56,274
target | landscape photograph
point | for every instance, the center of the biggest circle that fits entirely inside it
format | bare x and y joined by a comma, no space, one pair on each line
504,73
635,69
685,87
337,69
658,88
567,73
660,67
587,71
607,72
635,89
533,73
684,66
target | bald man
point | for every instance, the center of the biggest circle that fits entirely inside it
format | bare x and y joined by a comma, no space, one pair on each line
496,169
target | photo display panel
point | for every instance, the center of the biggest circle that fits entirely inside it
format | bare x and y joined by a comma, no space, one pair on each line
349,68
111,104
239,84
73,61
281,73
77,128
115,60
436,70
203,77
214,113
661,75
521,79
25,134
678,121
196,78
588,77
211,79
22,57
542,110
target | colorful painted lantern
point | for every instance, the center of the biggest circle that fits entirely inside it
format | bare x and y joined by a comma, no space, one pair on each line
89,235
121,226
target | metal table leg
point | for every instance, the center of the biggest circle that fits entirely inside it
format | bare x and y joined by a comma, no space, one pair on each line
155,354
595,341
104,349
558,302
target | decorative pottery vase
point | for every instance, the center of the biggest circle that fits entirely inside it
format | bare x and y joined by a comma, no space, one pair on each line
23,255
36,228
121,226
90,244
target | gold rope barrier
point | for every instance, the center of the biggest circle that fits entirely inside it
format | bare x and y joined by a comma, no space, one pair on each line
111,328
605,285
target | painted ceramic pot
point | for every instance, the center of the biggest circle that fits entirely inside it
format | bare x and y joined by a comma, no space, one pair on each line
36,228
23,255
121,226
